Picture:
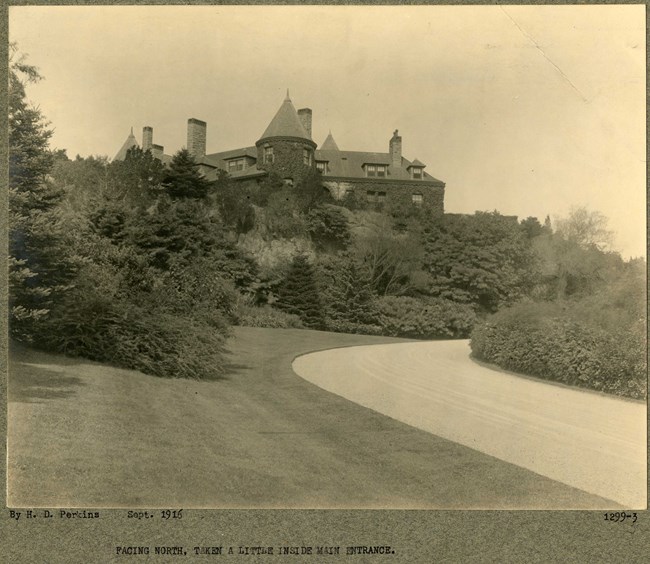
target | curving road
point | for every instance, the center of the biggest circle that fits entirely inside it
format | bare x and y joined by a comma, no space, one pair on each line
587,440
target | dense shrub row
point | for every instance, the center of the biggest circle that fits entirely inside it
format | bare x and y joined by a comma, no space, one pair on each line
267,316
432,318
543,340
155,343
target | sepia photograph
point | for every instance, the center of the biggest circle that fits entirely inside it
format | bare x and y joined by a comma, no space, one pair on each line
327,257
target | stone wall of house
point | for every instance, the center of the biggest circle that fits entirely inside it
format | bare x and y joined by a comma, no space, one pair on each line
386,191
287,157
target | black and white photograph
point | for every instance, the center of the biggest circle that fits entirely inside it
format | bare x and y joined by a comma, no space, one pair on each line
327,257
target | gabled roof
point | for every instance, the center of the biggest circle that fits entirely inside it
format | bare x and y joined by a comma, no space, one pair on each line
416,162
128,144
350,164
329,144
286,123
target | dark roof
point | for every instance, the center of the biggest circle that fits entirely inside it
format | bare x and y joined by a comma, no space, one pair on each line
416,162
286,123
220,159
350,164
128,144
329,144
250,172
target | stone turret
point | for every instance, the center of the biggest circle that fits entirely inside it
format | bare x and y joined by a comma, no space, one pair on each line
286,147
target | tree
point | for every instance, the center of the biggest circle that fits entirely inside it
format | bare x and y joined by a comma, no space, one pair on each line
140,175
347,296
386,258
328,228
185,227
40,268
533,228
310,192
585,228
483,259
183,180
30,160
574,260
299,294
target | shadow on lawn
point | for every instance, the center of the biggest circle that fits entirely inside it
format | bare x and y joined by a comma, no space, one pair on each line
231,369
29,383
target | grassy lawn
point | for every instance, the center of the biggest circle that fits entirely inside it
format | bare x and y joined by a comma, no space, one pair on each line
82,434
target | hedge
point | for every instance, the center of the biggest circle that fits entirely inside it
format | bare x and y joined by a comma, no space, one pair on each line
424,318
266,316
541,341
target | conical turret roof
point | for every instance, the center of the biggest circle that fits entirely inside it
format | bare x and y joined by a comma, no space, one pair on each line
286,123
128,144
329,144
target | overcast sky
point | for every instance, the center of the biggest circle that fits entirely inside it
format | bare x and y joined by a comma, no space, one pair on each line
526,110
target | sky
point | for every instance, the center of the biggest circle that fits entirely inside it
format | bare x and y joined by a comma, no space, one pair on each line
528,110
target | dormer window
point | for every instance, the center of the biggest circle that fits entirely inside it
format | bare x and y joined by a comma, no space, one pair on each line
322,166
417,173
268,155
376,170
235,165
306,157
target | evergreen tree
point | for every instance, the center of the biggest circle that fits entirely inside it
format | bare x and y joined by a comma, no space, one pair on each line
347,292
138,176
40,270
184,228
299,294
183,180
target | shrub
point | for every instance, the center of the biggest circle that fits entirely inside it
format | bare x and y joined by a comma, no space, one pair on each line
545,340
123,335
425,318
266,316
328,227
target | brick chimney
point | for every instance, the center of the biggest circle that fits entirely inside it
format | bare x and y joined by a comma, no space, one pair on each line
147,138
196,135
157,151
304,115
395,149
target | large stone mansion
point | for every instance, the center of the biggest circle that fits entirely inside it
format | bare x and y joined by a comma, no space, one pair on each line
287,149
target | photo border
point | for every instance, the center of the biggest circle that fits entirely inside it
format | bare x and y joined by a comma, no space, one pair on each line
415,536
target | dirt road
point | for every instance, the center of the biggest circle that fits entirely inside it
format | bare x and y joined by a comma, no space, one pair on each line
587,440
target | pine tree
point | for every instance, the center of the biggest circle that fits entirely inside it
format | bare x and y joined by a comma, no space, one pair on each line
183,180
298,294
39,267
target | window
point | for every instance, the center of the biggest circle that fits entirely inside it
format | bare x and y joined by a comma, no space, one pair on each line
322,166
417,173
417,198
371,196
381,196
288,181
376,170
268,155
306,157
236,164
